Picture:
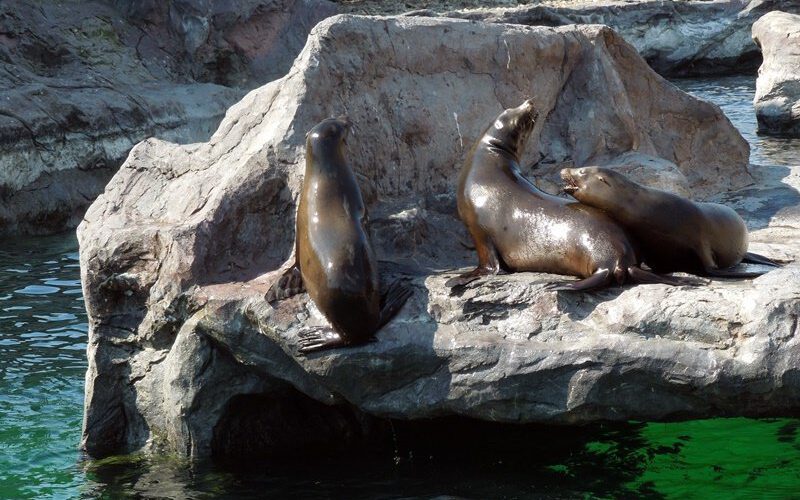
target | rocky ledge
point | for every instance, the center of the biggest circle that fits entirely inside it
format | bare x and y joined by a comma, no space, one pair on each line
777,99
676,37
176,256
83,81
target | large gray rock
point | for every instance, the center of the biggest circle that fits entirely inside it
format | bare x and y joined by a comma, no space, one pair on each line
176,255
82,82
676,37
777,99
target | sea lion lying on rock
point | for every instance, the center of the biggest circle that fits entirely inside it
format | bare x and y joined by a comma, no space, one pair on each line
673,233
517,227
334,260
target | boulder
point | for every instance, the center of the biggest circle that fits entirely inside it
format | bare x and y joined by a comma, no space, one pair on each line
82,82
676,37
777,99
185,355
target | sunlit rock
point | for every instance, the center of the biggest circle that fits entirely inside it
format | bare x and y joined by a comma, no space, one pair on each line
777,99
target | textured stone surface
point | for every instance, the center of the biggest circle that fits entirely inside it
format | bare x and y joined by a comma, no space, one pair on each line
178,252
676,37
777,99
82,82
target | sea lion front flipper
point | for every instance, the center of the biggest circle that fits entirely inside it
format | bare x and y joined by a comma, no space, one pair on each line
597,280
290,283
393,300
467,278
754,258
488,261
639,275
318,339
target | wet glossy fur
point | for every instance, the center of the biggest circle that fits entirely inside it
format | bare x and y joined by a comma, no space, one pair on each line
517,227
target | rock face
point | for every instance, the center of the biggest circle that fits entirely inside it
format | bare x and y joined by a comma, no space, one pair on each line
82,82
676,37
777,99
176,255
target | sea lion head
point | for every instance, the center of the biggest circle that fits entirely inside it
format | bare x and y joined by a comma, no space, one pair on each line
590,183
514,125
329,135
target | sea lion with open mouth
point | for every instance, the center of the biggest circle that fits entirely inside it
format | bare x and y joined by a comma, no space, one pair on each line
673,233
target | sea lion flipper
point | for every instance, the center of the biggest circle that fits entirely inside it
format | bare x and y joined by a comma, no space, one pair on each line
290,283
738,271
639,275
393,300
488,261
467,278
754,258
597,280
318,339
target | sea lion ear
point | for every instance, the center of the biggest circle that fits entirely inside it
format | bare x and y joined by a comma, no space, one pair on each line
602,179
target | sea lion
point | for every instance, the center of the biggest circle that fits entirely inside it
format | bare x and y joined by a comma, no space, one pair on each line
674,233
517,227
334,260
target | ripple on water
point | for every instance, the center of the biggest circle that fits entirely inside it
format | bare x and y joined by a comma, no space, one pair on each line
42,364
38,290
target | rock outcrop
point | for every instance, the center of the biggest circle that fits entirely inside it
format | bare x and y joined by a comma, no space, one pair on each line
676,37
176,255
777,99
82,82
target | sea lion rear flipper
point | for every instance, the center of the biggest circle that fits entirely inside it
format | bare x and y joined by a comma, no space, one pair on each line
318,339
639,275
754,258
597,280
393,300
739,271
290,283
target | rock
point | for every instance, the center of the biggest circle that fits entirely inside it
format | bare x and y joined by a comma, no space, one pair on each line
676,37
178,252
82,83
239,44
777,99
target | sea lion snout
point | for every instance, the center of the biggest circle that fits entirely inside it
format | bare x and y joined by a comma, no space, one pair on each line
571,184
528,110
345,121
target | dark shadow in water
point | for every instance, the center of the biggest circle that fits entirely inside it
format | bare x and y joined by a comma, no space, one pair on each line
452,456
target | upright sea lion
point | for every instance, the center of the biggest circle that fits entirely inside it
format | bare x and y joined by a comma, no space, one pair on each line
674,233
517,227
334,260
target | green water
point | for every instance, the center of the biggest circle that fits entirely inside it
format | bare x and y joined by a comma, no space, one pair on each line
42,363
